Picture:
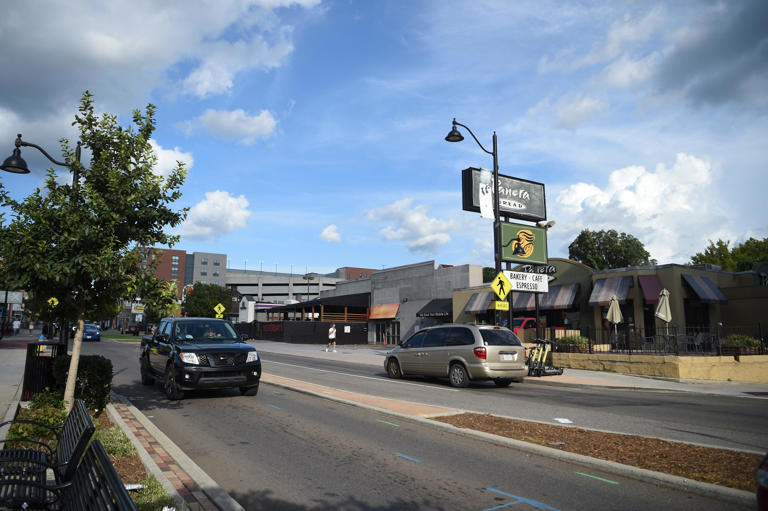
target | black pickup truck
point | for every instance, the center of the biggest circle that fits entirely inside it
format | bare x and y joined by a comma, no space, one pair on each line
198,353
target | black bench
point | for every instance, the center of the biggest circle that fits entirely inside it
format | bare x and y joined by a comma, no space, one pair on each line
71,440
95,486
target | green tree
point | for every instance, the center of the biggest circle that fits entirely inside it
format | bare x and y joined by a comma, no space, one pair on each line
157,295
489,274
77,242
204,297
603,250
741,258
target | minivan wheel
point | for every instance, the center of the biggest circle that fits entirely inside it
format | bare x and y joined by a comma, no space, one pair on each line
393,369
458,376
502,382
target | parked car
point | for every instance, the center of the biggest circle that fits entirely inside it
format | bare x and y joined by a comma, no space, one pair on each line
91,332
523,324
762,485
461,353
132,328
198,353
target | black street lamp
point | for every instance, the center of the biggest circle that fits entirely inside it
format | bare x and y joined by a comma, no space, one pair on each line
16,164
455,136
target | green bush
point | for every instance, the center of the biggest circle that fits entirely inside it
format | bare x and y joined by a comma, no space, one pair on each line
741,341
115,442
48,398
152,496
94,379
575,340
49,416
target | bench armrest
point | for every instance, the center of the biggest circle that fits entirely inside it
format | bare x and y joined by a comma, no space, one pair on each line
30,441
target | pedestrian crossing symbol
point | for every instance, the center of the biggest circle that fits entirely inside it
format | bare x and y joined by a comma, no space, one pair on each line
501,285
219,309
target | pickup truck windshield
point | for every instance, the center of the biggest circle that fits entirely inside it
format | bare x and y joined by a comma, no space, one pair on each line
196,331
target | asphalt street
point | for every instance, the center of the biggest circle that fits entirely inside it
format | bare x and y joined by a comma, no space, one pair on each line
286,450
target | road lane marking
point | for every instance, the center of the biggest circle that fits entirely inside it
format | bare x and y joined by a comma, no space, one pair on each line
365,377
407,457
519,500
387,422
598,478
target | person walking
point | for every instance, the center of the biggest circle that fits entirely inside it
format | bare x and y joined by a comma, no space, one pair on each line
31,326
331,338
16,326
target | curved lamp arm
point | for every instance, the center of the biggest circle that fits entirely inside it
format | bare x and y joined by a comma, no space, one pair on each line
473,136
21,143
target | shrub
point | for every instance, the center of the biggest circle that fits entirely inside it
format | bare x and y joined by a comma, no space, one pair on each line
575,340
49,416
115,442
48,398
741,341
94,379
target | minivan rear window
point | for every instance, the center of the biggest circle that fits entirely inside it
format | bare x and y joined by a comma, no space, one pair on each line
499,337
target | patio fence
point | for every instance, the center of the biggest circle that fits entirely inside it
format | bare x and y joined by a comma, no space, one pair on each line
722,340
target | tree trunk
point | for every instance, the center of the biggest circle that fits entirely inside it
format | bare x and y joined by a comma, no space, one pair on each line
69,390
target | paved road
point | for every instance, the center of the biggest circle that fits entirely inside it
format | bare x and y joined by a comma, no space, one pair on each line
716,420
286,450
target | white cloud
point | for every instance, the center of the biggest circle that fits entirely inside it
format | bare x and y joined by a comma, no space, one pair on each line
421,232
219,213
627,73
670,210
572,112
167,159
238,125
331,234
624,34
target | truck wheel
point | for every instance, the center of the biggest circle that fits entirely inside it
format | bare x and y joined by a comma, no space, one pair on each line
146,375
172,390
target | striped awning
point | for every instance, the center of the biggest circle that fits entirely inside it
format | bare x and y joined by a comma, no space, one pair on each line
479,302
386,311
651,288
706,290
558,297
605,288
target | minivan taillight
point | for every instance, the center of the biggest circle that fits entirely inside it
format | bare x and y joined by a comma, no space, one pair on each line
481,352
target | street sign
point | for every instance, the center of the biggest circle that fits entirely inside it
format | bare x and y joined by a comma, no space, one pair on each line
219,309
219,315
53,301
527,282
501,306
501,285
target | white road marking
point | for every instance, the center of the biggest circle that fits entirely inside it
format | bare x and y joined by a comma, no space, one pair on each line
365,377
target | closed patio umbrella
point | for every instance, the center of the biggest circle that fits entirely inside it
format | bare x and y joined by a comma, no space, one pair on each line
662,309
614,314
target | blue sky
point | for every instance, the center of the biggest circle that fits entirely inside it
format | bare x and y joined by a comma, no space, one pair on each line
313,130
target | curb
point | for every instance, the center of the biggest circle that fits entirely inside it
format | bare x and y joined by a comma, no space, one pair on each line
212,490
670,481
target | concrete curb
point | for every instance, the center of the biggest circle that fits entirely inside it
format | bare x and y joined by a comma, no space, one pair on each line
10,414
219,497
677,483
149,463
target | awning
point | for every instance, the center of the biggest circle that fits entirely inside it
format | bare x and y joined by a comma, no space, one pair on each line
605,288
437,308
651,287
386,311
558,297
707,291
479,302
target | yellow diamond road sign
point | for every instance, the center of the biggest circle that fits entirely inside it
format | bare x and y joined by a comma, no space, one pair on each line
501,285
53,301
219,308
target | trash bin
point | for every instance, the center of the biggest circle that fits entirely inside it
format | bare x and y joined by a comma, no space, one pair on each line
38,369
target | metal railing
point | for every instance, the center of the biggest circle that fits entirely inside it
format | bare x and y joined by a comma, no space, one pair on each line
721,340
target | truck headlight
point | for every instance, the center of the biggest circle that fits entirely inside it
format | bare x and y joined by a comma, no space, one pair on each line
253,356
189,358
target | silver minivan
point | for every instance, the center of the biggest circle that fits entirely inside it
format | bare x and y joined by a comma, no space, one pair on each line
461,353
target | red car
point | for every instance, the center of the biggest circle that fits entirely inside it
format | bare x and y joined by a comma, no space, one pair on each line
523,324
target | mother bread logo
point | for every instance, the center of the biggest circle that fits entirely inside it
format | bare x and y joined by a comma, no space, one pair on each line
522,243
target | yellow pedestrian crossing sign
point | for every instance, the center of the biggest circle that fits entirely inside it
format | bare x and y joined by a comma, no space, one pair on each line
220,316
53,301
219,309
501,285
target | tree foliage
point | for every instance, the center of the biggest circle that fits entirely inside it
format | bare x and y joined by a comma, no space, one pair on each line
201,301
741,258
602,250
77,242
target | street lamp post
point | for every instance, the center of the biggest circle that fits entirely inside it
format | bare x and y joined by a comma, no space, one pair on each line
16,165
546,226
456,136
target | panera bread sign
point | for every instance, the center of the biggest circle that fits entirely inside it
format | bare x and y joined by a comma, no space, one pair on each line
518,198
